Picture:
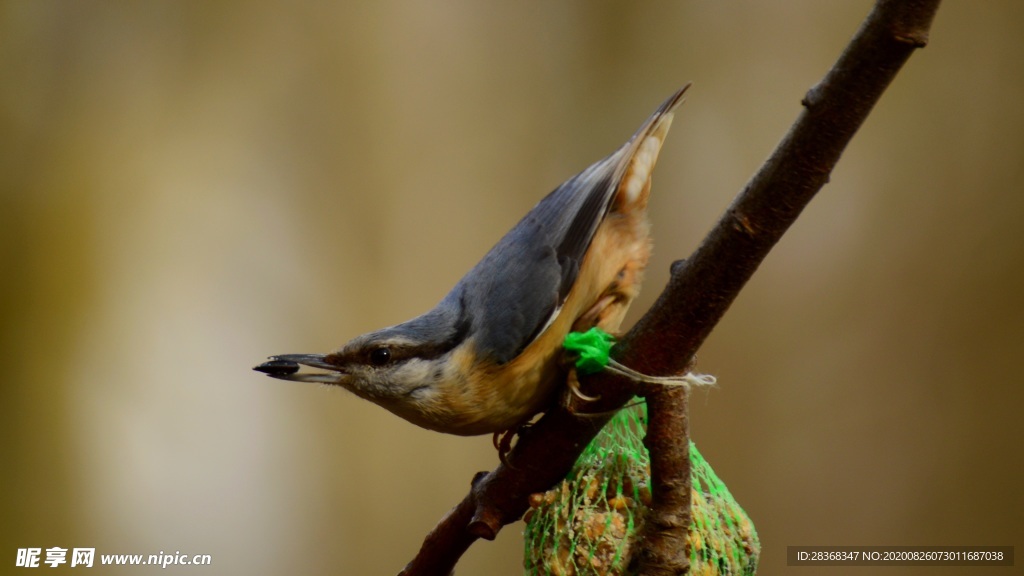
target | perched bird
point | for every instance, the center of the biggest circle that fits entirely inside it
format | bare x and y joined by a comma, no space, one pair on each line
489,356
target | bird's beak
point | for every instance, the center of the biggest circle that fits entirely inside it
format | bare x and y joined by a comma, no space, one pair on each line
286,367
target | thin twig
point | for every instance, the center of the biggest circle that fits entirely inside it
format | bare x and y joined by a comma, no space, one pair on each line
698,294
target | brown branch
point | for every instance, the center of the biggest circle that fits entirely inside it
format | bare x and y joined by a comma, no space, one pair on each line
665,340
757,219
662,544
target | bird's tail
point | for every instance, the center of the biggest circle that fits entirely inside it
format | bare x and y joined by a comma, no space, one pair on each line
642,154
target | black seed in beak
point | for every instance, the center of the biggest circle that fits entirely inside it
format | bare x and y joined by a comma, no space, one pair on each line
278,367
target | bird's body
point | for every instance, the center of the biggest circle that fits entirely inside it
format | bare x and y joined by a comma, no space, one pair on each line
488,357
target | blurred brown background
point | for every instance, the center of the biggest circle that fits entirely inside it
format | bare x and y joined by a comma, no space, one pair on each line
189,187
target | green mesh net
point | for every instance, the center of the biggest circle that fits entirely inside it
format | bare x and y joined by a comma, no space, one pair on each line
588,524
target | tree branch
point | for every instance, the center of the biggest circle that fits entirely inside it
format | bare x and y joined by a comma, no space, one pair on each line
703,287
699,292
662,544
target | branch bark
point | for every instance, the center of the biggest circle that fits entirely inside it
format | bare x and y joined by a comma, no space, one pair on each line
662,545
699,292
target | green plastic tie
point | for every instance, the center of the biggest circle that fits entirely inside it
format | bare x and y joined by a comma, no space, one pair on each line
592,349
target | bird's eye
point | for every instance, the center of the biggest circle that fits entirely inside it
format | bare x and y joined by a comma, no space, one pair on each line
380,356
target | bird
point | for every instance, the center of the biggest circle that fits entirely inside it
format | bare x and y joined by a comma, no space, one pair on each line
488,357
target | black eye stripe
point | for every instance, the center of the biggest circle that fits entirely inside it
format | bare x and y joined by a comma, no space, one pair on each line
388,353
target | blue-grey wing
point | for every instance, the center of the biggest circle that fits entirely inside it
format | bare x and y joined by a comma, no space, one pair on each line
513,292
519,286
